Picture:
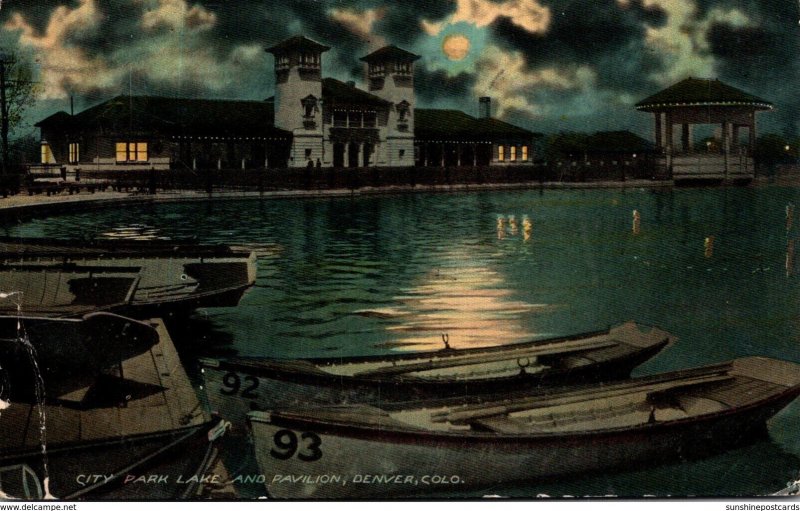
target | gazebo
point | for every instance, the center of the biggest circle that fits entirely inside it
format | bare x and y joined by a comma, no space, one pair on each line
705,101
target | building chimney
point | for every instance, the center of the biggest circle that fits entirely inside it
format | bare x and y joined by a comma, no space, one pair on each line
485,107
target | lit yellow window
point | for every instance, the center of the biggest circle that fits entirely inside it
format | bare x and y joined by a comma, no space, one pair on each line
74,153
513,153
141,151
501,153
131,151
524,153
47,154
122,152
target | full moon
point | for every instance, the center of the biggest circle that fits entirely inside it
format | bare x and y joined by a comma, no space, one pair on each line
455,46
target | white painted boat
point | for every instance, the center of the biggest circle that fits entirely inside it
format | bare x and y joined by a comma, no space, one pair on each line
361,451
239,385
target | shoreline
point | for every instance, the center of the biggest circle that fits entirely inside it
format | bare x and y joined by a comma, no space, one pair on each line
21,206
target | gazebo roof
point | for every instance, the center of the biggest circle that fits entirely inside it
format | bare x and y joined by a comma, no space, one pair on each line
701,92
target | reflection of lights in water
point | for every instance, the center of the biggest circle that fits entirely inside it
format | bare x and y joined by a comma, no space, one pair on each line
708,246
789,216
527,228
637,219
509,226
789,258
469,304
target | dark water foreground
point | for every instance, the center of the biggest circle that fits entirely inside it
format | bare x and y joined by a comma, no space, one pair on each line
366,275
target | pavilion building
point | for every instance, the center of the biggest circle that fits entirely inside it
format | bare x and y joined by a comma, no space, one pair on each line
311,121
696,101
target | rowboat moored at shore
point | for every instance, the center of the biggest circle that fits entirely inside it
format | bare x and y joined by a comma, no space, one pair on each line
138,418
180,277
238,385
70,353
361,451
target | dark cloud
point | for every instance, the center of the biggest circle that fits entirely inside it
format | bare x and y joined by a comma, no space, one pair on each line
401,22
600,35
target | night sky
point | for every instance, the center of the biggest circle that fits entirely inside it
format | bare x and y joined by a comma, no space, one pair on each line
549,65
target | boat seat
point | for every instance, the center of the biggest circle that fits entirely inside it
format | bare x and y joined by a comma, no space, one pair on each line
504,425
670,396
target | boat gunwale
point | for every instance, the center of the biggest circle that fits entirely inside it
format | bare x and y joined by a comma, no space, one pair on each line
287,373
445,352
144,249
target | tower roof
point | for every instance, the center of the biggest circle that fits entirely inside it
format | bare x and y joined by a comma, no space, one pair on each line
297,43
701,92
390,52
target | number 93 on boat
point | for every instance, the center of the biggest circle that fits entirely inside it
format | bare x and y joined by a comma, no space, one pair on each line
396,449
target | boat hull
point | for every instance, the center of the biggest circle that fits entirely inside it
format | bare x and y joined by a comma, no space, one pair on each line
370,463
235,390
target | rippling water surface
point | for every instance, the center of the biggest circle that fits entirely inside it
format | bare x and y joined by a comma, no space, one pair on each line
365,275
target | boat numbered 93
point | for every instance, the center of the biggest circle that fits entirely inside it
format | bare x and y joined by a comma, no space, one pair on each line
360,451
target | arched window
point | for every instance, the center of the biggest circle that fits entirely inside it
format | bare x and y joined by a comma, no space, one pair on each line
403,110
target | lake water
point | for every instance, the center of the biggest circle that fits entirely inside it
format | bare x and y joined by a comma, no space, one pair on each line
365,275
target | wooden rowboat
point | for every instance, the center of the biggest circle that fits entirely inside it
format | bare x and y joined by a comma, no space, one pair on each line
140,417
158,274
70,353
239,385
360,451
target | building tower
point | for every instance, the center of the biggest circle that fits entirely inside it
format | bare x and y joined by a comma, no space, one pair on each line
298,94
390,76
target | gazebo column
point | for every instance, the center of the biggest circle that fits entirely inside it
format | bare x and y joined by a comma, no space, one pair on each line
458,151
752,130
659,133
726,146
668,138
726,137
686,137
474,154
346,156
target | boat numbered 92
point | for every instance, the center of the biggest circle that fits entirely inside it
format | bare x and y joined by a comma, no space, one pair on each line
239,385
